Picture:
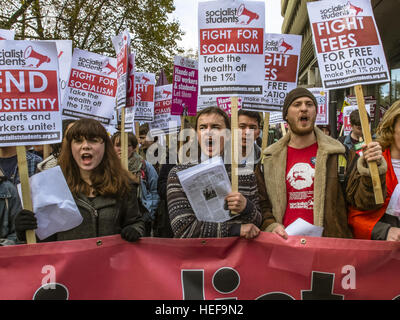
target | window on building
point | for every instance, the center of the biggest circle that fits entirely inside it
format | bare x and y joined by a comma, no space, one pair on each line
390,92
395,90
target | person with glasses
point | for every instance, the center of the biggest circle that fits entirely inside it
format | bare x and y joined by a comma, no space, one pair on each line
103,191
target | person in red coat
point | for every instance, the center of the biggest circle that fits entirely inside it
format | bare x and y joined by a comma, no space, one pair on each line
384,223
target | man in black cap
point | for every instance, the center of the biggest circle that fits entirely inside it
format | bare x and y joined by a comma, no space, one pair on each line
309,175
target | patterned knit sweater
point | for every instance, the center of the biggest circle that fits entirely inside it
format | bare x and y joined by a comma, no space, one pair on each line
183,219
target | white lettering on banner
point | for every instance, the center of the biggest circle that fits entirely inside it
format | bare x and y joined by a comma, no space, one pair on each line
340,25
277,59
225,48
27,104
9,79
50,278
349,280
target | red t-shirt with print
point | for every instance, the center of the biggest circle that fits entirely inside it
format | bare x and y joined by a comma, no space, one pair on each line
300,170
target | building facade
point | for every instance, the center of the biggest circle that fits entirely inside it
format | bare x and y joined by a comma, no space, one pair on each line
387,18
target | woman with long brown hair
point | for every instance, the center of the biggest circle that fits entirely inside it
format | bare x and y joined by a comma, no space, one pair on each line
384,223
102,189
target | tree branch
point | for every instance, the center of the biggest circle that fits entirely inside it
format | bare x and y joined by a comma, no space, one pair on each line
25,5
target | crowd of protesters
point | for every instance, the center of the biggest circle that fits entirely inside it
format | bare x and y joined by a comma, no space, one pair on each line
304,173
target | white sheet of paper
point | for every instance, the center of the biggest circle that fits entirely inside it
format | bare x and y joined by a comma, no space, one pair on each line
53,204
206,185
301,227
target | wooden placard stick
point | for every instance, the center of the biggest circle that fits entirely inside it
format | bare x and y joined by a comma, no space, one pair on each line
181,132
46,151
341,130
283,129
180,144
124,141
25,188
373,167
235,150
137,126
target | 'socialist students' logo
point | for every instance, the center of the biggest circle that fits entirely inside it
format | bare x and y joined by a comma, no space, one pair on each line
284,46
246,16
338,11
280,46
166,93
107,68
355,9
144,80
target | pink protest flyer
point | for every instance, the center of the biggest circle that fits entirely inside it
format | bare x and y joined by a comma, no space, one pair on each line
185,87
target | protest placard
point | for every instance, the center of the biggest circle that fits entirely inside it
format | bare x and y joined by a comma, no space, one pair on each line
322,97
91,87
185,87
130,95
164,123
276,118
225,103
282,56
7,34
29,93
144,96
348,45
346,117
121,44
64,50
231,37
369,100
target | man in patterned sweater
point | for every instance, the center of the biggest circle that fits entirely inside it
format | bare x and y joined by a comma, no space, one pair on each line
211,125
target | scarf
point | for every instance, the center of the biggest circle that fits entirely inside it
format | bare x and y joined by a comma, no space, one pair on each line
362,222
135,163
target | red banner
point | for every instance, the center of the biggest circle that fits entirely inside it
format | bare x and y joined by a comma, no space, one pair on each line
267,267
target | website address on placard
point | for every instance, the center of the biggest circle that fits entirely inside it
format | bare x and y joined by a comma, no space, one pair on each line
231,90
77,114
29,137
354,79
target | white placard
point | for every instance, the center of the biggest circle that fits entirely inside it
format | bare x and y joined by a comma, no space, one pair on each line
347,43
92,86
322,97
29,93
231,49
282,56
144,97
7,34
164,122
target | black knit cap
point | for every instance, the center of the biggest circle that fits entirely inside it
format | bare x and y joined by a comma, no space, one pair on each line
295,94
